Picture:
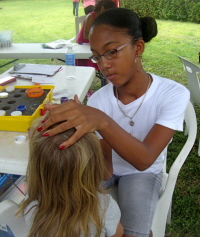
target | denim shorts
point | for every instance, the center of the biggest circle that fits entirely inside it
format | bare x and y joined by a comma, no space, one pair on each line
137,196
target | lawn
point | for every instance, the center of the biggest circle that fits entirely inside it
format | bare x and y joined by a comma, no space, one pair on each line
47,20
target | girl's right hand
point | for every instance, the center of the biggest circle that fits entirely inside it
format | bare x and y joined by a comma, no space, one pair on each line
73,114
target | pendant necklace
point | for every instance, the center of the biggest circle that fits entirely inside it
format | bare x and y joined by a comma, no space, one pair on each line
131,122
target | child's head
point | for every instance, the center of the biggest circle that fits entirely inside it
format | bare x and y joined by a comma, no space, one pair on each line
79,166
103,5
65,183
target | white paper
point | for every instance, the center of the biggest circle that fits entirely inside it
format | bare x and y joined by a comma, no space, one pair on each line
42,80
40,69
36,79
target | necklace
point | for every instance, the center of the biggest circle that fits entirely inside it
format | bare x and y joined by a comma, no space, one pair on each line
131,123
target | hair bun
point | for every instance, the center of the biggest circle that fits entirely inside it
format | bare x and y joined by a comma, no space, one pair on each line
149,28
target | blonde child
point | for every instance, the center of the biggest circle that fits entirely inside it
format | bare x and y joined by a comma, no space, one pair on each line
65,197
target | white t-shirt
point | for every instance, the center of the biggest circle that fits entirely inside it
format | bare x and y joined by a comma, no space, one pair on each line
164,104
111,218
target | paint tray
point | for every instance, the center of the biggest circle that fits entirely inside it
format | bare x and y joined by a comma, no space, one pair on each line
34,107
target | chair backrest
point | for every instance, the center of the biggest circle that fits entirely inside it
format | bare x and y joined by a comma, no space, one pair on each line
169,180
192,72
165,199
9,223
78,23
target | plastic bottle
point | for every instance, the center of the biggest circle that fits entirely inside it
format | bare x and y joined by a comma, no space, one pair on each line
70,62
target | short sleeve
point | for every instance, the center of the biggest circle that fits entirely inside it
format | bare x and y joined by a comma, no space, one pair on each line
174,104
112,217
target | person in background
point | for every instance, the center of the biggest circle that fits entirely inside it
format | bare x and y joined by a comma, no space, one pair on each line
75,7
135,115
65,197
116,2
100,7
88,5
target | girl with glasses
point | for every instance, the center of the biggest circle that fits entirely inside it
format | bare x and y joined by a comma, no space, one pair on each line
135,115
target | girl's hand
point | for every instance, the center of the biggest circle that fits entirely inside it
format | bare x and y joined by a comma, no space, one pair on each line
72,114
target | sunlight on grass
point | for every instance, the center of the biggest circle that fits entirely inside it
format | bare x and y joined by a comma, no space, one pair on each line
38,21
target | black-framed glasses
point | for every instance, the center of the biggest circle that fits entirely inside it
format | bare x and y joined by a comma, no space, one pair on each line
109,54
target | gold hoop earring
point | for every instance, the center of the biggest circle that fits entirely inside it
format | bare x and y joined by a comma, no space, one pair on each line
139,70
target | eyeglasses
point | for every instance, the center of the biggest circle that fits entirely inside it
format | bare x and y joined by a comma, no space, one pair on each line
109,54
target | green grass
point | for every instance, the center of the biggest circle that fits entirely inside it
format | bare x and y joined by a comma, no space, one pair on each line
173,39
37,21
47,20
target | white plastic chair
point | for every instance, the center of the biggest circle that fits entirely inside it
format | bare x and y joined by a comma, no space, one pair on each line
7,217
78,23
192,72
163,210
169,179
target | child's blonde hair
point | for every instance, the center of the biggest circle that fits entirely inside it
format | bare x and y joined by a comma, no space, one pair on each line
65,183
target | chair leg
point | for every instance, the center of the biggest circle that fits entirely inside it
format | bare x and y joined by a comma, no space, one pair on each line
102,78
60,60
185,132
199,148
169,214
103,82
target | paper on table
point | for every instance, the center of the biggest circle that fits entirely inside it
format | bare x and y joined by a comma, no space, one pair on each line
41,69
43,80
39,79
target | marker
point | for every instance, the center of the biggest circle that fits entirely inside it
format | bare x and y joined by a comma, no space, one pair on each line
23,77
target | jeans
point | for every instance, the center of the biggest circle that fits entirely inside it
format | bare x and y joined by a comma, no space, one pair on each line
75,8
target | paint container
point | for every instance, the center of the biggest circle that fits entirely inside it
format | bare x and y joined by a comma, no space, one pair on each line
2,112
34,92
20,139
3,94
10,88
63,100
21,108
16,113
